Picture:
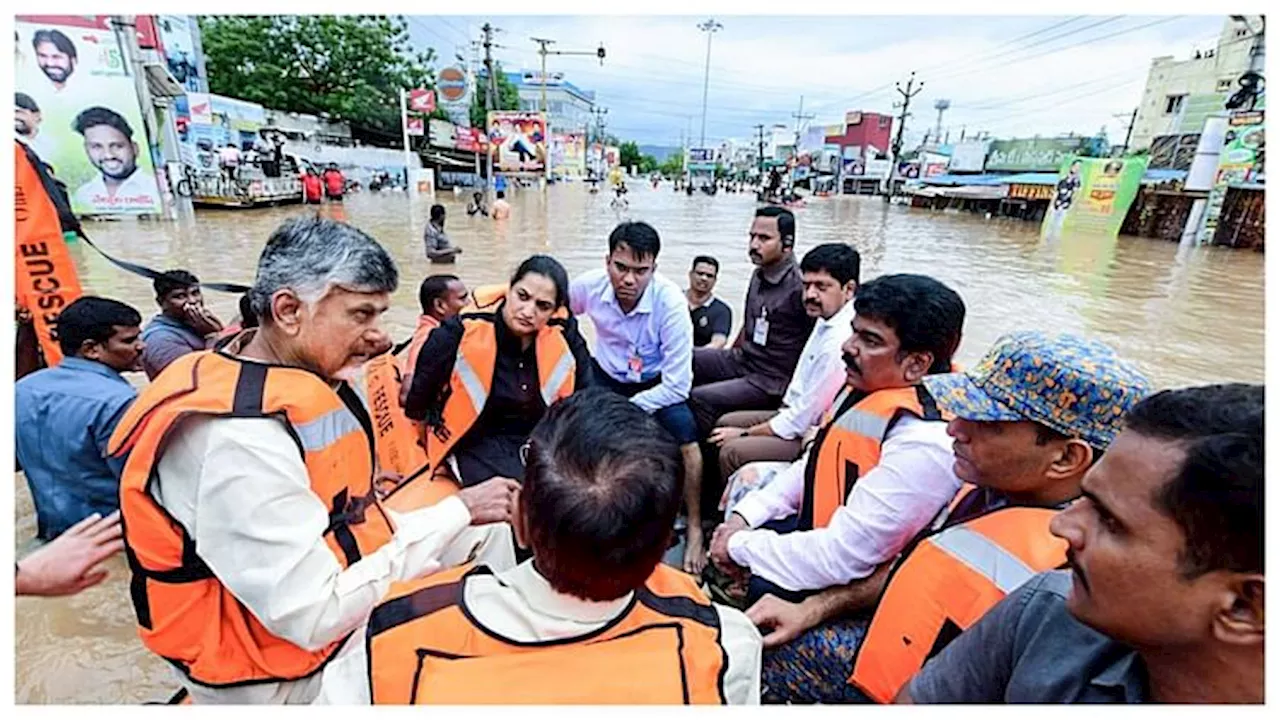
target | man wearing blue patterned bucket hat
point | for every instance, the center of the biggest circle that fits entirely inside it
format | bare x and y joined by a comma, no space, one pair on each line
1030,419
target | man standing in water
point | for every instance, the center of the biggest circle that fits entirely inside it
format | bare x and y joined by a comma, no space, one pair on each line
184,324
254,536
439,249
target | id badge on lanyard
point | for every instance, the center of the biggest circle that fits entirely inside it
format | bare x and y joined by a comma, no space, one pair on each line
634,366
761,334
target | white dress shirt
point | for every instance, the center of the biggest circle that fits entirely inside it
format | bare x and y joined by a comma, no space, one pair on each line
888,506
519,604
240,489
658,330
137,192
818,377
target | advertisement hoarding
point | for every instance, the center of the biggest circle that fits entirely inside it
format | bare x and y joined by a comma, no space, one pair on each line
453,88
1035,154
1093,195
518,141
1241,161
969,156
568,154
179,44
84,118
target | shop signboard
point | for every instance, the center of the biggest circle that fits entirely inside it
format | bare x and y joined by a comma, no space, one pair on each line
179,45
969,156
877,168
442,134
568,154
1242,161
518,141
1173,152
1035,154
453,88
414,127
80,112
1023,191
1093,195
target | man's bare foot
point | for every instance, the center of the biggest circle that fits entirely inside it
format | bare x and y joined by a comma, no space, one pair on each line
695,552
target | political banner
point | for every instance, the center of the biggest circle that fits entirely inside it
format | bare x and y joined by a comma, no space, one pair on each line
1093,195
1242,161
518,141
77,107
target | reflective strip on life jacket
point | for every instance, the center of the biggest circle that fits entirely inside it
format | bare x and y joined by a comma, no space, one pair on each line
944,585
470,381
185,614
561,372
848,447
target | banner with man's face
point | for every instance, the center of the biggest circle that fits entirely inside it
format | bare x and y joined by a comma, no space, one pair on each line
78,109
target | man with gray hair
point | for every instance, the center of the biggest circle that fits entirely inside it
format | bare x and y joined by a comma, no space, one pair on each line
254,536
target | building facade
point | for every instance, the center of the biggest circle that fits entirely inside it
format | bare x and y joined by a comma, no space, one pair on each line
871,132
569,108
1180,94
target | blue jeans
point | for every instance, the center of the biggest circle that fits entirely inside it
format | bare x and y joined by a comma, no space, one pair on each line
677,419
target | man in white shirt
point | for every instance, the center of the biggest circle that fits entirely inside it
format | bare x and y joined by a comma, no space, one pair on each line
255,539
592,618
644,349
830,273
121,185
879,470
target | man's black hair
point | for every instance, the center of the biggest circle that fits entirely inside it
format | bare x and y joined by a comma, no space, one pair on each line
926,315
173,280
96,116
838,260
56,39
602,486
786,222
92,318
433,288
1216,496
708,260
25,102
640,238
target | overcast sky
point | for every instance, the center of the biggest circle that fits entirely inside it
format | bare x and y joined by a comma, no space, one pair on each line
1008,75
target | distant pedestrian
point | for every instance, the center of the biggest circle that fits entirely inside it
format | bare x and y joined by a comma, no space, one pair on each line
501,208
439,248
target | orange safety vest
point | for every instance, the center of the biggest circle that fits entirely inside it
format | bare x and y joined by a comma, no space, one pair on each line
424,647
185,614
469,389
848,446
945,585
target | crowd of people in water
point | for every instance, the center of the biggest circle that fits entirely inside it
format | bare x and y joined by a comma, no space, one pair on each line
821,508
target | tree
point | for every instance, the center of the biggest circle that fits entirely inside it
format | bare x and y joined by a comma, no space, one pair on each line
508,96
672,166
628,154
349,68
648,164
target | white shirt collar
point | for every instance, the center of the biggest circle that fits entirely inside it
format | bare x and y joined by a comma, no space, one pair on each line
541,597
844,316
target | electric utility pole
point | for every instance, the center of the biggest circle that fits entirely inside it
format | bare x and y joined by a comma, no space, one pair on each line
906,94
491,91
760,149
800,117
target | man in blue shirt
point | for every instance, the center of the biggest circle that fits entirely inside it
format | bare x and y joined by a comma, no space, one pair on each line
644,349
183,325
64,415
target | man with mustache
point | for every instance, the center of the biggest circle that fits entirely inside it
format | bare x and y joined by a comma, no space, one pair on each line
1029,421
880,468
108,141
1165,600
830,274
255,539
56,56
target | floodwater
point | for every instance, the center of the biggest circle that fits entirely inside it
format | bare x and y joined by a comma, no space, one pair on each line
1185,315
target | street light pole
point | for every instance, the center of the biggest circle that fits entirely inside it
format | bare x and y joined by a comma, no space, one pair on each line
709,27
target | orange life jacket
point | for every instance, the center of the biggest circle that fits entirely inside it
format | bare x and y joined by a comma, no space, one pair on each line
944,585
848,446
425,648
469,388
185,614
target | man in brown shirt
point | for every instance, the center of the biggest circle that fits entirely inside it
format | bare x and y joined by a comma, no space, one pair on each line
753,374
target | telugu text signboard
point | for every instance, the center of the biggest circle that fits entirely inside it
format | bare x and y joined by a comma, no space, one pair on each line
1034,154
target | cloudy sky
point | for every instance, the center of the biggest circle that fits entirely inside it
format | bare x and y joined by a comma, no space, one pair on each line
1008,75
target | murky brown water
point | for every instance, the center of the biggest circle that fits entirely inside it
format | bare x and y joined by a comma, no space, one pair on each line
1186,316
